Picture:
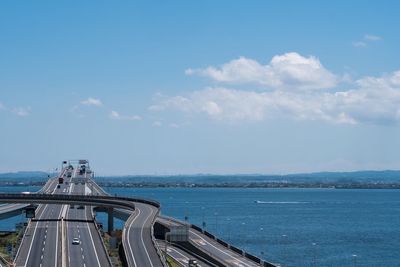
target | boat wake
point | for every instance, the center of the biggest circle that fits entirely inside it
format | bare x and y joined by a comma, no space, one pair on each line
279,202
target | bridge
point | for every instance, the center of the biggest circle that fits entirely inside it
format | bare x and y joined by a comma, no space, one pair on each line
143,236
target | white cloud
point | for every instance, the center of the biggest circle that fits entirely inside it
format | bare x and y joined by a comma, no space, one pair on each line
2,107
368,38
287,71
116,116
92,102
174,125
157,124
359,44
22,111
371,37
373,100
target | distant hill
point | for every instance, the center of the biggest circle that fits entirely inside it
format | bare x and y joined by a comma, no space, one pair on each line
386,176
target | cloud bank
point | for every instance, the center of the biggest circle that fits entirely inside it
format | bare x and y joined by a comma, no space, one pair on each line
286,71
374,100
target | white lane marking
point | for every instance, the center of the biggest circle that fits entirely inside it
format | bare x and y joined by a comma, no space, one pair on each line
129,243
231,256
68,246
40,210
33,238
56,254
141,237
94,247
178,252
36,225
88,229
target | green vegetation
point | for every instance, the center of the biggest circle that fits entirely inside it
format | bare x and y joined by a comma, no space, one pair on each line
113,252
7,238
172,263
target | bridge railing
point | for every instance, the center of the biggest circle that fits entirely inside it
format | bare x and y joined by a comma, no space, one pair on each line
239,251
110,199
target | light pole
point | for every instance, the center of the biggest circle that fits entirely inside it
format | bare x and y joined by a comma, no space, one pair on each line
354,260
216,222
262,250
284,249
203,222
241,232
229,229
186,212
314,254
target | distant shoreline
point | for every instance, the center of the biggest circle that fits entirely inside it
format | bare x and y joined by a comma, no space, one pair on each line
273,185
259,185
388,179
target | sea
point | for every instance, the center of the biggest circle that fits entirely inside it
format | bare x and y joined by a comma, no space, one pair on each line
292,227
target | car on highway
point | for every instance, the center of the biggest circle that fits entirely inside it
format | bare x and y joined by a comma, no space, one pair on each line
193,263
76,241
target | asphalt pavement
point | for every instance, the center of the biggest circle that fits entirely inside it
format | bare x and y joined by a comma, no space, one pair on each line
40,245
90,251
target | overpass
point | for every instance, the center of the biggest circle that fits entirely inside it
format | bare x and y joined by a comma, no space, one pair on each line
137,254
7,211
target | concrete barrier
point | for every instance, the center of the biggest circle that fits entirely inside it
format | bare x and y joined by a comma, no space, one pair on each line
223,243
195,227
233,248
267,264
237,250
252,257
209,234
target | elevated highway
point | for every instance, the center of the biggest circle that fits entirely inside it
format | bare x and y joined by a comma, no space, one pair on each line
138,241
11,210
139,247
40,244
79,224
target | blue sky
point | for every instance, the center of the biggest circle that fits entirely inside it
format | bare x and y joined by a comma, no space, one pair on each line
181,87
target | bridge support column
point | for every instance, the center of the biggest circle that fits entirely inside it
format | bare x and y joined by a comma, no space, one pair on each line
110,220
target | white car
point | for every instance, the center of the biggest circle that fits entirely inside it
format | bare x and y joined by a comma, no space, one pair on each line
75,241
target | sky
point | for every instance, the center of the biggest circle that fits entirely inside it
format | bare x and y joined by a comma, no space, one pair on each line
189,87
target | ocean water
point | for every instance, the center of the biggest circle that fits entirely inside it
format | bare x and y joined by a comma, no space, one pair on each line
293,227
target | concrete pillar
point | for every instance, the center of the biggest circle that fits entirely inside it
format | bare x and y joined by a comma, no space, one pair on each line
110,220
